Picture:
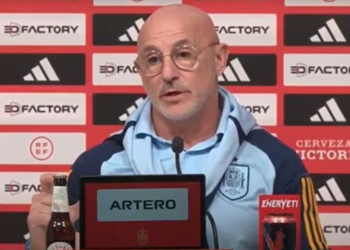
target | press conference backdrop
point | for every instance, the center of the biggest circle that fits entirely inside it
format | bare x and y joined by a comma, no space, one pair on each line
67,82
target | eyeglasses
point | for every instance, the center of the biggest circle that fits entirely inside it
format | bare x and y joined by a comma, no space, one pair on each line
184,57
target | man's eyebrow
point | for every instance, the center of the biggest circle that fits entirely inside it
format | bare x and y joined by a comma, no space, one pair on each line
149,48
184,41
176,44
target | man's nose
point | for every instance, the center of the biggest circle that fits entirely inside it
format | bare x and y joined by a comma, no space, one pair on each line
169,70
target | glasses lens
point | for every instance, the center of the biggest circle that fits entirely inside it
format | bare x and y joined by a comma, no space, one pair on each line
185,57
151,63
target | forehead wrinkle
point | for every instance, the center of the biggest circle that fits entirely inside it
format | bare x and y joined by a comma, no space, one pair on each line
160,41
177,43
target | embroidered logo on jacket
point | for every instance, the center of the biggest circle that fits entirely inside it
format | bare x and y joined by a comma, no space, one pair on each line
235,186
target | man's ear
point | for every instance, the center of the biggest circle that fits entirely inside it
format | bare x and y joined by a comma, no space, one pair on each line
136,65
221,57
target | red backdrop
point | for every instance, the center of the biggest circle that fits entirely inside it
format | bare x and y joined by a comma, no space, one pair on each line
96,133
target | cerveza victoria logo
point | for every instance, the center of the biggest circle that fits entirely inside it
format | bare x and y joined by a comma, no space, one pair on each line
317,69
332,189
250,70
42,29
42,69
246,29
106,33
324,149
121,104
317,110
317,30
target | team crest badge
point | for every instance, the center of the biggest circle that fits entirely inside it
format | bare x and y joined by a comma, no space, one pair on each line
235,184
142,236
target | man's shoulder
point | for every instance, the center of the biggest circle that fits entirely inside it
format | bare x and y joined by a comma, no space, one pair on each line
277,151
92,158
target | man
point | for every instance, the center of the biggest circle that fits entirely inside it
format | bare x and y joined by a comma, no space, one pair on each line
179,60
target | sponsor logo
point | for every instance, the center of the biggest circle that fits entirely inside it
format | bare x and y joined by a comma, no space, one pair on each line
121,104
336,228
131,109
250,70
317,3
16,233
323,149
45,109
317,110
332,189
246,29
41,148
42,29
262,106
329,33
115,69
161,204
316,30
125,33
135,2
19,187
328,113
42,69
317,69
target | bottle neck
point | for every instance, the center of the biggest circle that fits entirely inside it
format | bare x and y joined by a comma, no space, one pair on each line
60,200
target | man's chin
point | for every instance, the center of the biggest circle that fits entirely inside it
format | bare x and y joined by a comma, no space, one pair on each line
178,115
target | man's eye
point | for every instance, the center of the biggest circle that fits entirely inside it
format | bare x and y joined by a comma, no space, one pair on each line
152,60
184,54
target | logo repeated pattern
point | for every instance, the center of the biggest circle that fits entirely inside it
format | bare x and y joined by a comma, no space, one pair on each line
67,81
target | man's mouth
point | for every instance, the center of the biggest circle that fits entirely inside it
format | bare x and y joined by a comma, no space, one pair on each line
172,93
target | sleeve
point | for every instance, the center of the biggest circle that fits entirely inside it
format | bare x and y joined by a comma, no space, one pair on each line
293,178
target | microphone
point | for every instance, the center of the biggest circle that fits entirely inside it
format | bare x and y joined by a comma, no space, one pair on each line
177,145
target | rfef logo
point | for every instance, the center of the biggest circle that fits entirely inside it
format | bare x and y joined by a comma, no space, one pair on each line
41,148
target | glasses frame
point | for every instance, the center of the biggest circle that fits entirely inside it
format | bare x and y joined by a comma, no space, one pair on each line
197,50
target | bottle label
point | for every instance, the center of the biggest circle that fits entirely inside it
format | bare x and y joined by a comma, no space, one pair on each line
60,246
60,200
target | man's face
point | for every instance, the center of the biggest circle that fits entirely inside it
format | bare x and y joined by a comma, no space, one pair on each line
176,93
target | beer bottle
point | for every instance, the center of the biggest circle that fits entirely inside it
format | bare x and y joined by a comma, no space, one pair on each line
60,233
